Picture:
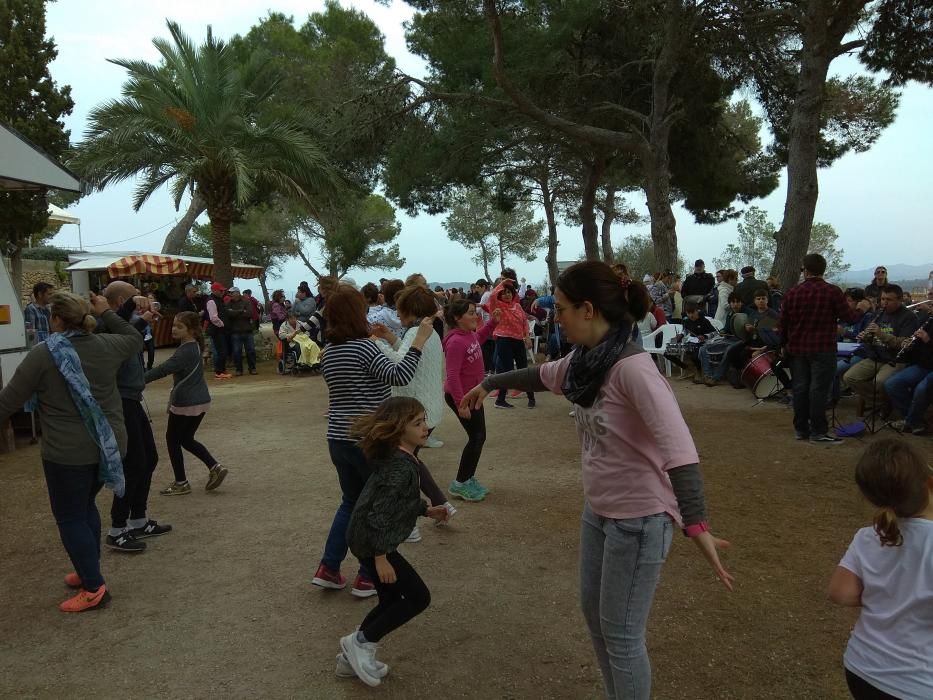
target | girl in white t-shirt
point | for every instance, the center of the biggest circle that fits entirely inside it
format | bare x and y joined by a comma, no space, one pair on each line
888,572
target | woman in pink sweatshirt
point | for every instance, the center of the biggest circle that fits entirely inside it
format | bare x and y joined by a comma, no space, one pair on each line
463,355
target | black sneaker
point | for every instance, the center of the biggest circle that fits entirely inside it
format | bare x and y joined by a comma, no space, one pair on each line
150,529
825,440
238,373
801,436
531,403
125,542
504,404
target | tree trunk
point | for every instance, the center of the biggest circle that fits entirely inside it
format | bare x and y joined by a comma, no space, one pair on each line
175,240
547,197
220,246
265,291
657,186
501,255
588,208
609,215
824,28
16,272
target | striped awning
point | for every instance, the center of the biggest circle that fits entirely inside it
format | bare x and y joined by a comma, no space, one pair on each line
147,264
205,271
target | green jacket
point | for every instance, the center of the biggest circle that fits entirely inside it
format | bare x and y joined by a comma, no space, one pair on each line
65,439
388,507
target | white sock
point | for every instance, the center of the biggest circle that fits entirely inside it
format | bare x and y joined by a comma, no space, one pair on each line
137,522
116,531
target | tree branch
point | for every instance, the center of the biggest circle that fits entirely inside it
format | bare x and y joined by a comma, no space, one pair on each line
591,134
849,46
304,258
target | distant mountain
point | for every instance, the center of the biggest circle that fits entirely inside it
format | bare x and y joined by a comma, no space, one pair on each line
896,273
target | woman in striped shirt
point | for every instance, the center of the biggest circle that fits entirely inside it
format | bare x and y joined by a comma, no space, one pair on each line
359,377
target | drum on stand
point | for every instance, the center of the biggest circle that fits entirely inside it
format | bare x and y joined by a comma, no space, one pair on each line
758,375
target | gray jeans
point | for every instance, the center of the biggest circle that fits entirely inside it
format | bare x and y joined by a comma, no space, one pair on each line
620,564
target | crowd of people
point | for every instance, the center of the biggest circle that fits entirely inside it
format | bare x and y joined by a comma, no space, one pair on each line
397,356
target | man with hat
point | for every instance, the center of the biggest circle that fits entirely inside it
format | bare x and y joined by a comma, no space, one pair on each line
240,323
217,329
749,287
697,285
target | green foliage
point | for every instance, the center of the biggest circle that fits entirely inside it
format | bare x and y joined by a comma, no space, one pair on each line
34,105
901,41
637,253
757,245
47,253
352,231
198,120
337,75
478,225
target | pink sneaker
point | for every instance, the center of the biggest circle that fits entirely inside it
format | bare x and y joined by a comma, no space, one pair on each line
327,578
363,588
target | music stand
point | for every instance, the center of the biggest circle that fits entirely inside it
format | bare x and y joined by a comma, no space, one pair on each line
873,353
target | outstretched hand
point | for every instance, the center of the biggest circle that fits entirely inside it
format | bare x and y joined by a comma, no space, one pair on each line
710,547
438,513
473,399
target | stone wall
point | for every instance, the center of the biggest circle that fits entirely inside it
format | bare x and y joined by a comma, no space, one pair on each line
41,271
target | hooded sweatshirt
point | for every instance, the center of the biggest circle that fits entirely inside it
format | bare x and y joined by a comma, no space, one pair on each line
463,353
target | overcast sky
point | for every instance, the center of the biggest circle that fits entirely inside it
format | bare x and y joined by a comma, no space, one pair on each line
880,202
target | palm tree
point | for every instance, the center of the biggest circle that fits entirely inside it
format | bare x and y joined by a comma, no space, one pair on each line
196,122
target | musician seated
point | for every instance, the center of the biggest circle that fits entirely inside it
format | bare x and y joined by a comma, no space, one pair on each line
761,324
697,328
911,389
848,333
879,344
713,355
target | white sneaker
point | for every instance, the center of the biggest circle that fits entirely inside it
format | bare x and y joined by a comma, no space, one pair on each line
433,442
451,512
362,659
415,536
345,670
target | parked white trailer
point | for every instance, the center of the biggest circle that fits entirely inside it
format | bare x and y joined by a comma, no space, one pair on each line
23,167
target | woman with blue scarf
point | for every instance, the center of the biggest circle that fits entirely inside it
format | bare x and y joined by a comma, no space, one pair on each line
73,376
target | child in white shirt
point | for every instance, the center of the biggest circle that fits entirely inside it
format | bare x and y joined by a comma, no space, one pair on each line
888,572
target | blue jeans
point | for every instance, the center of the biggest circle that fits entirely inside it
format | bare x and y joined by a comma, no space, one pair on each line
812,378
352,472
911,391
72,490
718,371
219,352
620,564
241,341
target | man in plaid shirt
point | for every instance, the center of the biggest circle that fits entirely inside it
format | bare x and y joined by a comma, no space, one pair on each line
809,317
37,313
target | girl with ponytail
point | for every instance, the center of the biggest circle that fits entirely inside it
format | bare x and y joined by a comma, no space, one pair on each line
641,477
888,573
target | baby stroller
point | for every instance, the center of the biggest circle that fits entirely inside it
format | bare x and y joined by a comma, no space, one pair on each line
290,360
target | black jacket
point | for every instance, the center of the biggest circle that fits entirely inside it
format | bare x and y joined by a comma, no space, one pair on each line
388,507
747,288
697,285
239,316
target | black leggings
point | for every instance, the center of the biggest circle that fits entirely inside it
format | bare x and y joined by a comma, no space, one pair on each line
863,690
399,602
180,433
475,427
509,351
138,464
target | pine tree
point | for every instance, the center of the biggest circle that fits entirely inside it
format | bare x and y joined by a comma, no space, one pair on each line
34,105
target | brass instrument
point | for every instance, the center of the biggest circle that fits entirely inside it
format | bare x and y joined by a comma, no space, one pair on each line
912,340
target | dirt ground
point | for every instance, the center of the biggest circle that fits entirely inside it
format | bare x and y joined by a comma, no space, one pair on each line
223,606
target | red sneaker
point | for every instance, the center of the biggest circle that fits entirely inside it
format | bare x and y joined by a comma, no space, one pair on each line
363,587
72,580
85,600
328,578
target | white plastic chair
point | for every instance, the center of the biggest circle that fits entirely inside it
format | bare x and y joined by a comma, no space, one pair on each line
535,340
667,332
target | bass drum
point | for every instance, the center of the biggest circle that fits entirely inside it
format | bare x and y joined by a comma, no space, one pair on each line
758,375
